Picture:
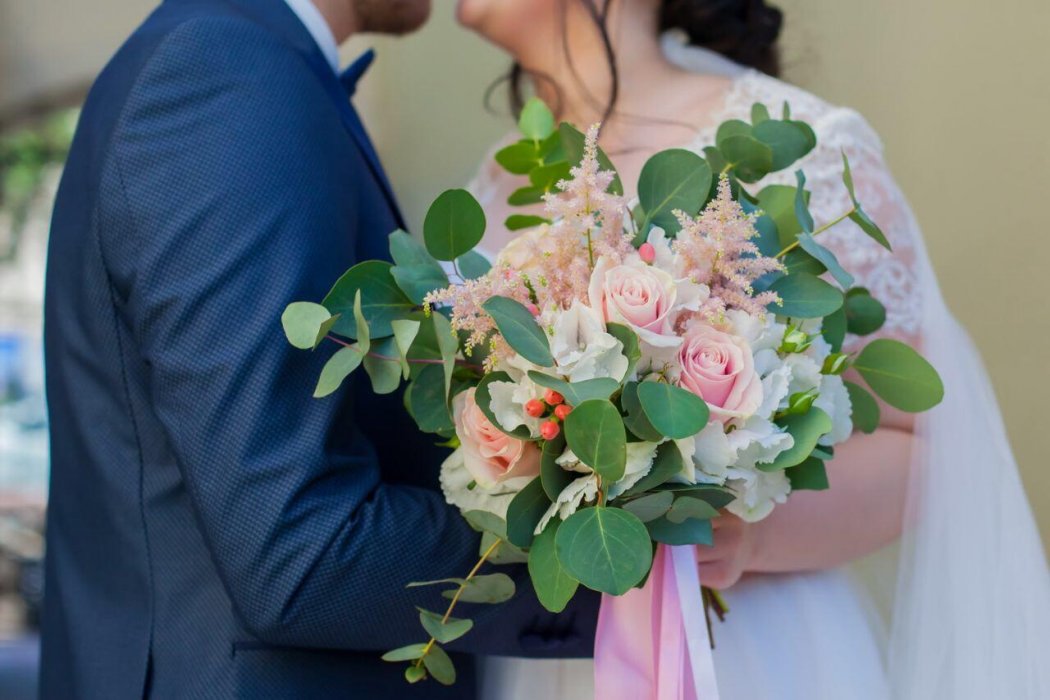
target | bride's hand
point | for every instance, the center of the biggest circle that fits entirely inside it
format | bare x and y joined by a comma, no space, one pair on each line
734,546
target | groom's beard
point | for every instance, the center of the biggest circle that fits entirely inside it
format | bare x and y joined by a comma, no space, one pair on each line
391,16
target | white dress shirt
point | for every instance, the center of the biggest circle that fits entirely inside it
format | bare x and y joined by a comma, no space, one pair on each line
315,23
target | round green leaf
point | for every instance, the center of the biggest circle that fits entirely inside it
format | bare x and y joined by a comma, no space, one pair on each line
525,511
751,159
338,367
900,376
490,588
805,296
651,506
689,531
553,477
473,265
605,549
786,139
306,324
576,393
519,158
866,411
595,433
673,411
520,330
670,180
864,313
553,585
405,653
808,476
440,665
536,121
454,224
806,429
426,401
444,631
517,222
685,507
382,301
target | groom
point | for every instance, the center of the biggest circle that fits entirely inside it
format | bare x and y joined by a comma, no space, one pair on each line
213,531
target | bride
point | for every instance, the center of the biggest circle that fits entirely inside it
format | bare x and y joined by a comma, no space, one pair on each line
968,612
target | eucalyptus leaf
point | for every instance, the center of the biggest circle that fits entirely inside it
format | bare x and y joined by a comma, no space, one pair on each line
635,419
731,128
382,301
407,251
751,159
488,588
525,511
673,411
833,329
685,507
778,202
547,177
554,586
485,521
448,345
339,366
805,296
808,476
517,222
595,433
826,258
675,179
552,476
444,631
806,429
519,158
520,330
419,280
899,376
453,225
306,324
605,549
410,652
405,332
384,373
866,412
650,506
759,113
689,532
524,196
859,217
864,313
472,265
536,121
426,400
805,219
576,393
788,142
440,665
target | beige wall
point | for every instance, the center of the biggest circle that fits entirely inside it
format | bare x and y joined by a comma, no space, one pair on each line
960,92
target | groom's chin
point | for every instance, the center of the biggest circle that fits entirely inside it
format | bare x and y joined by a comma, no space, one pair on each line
392,16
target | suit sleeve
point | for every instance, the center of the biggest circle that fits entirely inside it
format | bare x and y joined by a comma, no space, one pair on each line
225,156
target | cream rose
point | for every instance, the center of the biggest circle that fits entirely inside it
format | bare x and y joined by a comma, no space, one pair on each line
719,368
640,296
490,455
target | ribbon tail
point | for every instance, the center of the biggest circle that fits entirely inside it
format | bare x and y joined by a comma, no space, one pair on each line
701,660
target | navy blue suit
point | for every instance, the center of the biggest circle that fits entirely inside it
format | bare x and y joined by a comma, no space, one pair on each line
215,532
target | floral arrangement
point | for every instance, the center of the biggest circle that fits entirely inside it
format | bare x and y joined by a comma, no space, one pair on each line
624,370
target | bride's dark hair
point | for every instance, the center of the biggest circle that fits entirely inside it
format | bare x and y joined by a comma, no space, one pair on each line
745,31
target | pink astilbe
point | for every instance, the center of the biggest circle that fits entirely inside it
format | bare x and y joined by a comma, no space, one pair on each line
588,223
467,303
716,249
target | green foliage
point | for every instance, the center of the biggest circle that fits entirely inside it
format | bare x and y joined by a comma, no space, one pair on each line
448,346
444,631
833,329
635,418
576,393
805,296
405,332
688,532
536,121
306,324
454,224
826,258
864,313
686,507
595,434
520,330
382,301
554,586
605,549
866,411
650,506
808,476
410,652
778,202
525,511
899,376
484,521
787,141
674,179
425,399
859,216
667,464
673,411
524,196
750,159
547,177
384,373
517,222
472,265
489,588
806,429
552,476
440,665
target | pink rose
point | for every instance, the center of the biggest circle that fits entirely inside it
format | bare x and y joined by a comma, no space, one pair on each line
720,369
640,296
490,455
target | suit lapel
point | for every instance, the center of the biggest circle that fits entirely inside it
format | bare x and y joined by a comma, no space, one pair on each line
276,16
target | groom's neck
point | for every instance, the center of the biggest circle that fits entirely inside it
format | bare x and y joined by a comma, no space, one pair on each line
339,14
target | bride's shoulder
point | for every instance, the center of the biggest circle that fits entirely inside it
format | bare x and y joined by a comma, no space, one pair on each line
837,126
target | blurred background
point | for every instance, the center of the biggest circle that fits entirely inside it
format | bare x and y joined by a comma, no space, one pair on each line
958,89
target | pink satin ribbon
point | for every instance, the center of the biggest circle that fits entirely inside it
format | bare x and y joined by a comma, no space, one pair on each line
652,642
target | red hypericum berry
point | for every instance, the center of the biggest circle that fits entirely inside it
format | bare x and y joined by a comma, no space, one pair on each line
647,251
533,309
549,430
535,408
553,398
562,411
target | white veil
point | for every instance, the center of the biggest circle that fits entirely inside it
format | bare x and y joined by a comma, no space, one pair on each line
971,605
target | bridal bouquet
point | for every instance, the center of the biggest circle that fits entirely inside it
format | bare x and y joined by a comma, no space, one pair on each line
624,370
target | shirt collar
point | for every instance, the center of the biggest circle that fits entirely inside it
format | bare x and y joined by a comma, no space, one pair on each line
315,23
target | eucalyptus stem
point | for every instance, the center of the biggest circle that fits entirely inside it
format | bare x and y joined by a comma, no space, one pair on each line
822,229
411,361
455,597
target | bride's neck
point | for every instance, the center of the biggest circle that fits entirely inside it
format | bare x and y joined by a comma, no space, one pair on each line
573,71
